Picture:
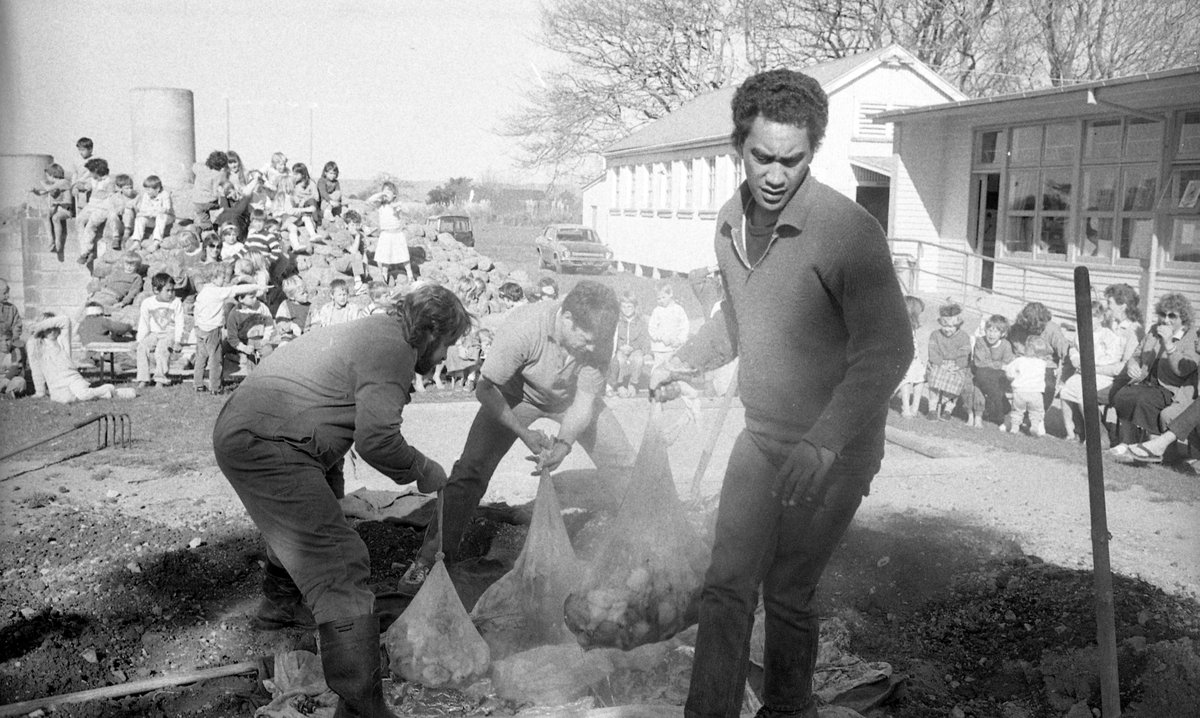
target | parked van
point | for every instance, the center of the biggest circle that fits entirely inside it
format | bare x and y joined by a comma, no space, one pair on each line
456,224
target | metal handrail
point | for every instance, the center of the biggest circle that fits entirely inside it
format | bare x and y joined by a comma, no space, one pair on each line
1060,310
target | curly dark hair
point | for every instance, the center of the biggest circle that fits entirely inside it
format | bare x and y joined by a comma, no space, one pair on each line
217,160
1127,297
432,310
784,96
594,307
97,167
1178,303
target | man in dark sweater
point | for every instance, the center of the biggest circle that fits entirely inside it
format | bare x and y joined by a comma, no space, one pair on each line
280,439
815,314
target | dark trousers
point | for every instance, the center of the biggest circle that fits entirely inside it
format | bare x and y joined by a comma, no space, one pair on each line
784,549
487,443
293,500
991,383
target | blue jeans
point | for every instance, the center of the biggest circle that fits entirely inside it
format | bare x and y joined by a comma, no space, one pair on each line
759,541
292,497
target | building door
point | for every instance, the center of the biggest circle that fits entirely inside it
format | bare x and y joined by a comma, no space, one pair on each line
985,211
874,199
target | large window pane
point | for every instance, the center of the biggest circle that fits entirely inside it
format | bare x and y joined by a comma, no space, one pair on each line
1102,140
1097,239
1020,234
1143,139
1100,189
1189,134
989,144
1140,187
1185,240
1062,142
1022,191
1027,145
1054,239
1135,238
1056,190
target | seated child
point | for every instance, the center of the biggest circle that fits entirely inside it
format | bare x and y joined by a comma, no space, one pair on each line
159,330
991,353
293,315
630,349
243,350
12,364
1027,375
913,385
382,298
57,189
949,355
54,372
152,210
1108,351
120,287
123,203
96,327
338,309
92,218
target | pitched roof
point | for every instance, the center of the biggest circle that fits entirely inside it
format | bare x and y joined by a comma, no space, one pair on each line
706,118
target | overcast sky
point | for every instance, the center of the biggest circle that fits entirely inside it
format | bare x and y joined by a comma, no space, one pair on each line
418,88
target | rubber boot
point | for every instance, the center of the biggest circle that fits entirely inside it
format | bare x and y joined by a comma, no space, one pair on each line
282,605
350,657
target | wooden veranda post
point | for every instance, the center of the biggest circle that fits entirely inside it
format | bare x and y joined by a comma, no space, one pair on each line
1106,630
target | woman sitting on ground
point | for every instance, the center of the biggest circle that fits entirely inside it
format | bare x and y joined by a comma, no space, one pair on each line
1162,374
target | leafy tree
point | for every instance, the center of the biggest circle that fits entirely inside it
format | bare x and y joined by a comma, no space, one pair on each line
456,190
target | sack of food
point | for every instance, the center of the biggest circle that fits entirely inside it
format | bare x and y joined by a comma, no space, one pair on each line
434,642
644,584
524,609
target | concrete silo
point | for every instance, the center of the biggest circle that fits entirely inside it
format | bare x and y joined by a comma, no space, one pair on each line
18,173
164,134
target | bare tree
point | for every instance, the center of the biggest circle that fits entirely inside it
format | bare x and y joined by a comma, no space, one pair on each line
634,61
630,62
1081,40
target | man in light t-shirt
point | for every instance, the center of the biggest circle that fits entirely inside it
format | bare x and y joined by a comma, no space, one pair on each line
549,359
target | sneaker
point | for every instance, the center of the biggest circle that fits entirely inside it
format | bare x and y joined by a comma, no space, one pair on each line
414,577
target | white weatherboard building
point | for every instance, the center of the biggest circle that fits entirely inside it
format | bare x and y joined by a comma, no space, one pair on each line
657,202
1104,174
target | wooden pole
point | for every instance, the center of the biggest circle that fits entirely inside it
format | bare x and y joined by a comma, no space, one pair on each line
1106,630
129,689
713,434
51,437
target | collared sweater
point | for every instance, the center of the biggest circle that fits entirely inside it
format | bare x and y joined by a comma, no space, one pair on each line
819,322
342,385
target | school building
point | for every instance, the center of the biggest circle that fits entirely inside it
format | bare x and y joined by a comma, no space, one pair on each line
1008,194
657,201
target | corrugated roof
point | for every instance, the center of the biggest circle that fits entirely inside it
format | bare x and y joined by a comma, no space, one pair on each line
706,117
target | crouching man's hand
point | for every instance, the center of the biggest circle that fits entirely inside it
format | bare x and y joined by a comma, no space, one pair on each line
431,477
